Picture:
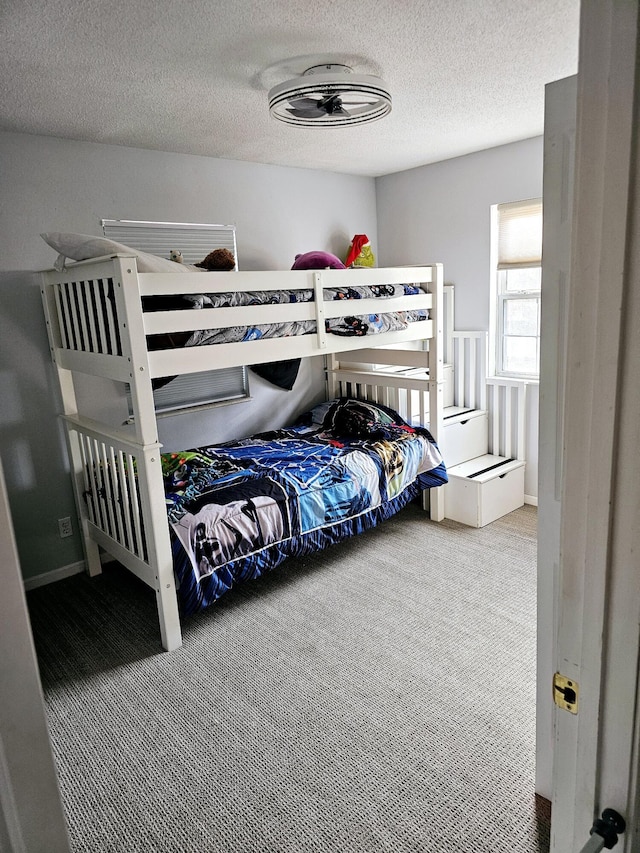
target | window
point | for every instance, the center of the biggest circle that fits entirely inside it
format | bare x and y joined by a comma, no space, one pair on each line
518,278
193,390
199,391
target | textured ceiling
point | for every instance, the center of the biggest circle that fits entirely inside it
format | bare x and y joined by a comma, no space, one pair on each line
192,76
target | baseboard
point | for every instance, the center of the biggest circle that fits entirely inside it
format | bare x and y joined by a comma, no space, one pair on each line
55,575
532,500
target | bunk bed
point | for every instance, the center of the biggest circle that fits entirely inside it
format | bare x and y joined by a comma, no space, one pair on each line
134,501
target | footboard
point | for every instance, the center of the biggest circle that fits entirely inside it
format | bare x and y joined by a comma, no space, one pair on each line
412,394
408,391
120,500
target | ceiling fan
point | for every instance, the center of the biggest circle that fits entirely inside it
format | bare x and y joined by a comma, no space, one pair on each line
330,95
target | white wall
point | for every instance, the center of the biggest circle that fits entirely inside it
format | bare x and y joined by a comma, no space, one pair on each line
49,184
440,213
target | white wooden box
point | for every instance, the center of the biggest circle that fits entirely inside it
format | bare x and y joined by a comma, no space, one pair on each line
465,435
484,489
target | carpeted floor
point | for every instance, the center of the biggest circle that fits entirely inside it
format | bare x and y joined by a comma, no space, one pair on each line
378,696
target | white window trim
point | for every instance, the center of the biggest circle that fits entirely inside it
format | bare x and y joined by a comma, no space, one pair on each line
496,305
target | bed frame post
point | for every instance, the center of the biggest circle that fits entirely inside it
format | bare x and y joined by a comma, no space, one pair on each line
150,472
159,545
127,294
435,498
330,367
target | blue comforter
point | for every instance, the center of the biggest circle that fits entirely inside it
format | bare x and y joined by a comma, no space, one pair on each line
240,508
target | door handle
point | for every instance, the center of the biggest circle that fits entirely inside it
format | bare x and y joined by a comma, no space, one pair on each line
605,831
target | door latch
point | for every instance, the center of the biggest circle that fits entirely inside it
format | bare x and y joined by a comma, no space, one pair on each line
605,831
565,693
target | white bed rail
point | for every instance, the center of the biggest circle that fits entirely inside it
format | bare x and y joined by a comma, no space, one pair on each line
469,355
92,306
407,394
507,425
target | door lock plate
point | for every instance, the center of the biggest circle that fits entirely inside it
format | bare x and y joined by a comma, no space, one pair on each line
565,693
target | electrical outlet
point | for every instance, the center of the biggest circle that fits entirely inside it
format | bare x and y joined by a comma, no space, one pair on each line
65,527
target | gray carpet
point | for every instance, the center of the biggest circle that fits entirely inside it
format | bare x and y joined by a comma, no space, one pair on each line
378,696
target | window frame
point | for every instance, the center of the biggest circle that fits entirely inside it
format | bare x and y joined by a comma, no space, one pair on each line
501,296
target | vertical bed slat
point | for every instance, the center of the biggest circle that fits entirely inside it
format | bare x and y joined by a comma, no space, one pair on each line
107,295
136,513
69,309
483,344
75,320
89,307
83,313
471,402
458,350
100,313
507,447
116,497
107,489
125,502
62,318
92,473
319,306
88,490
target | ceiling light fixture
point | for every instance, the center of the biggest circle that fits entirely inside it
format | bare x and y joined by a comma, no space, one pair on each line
330,96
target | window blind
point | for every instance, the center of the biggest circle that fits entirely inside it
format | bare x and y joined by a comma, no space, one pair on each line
199,390
519,234
195,241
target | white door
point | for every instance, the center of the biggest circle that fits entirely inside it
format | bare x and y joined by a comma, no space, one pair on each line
596,750
31,814
558,187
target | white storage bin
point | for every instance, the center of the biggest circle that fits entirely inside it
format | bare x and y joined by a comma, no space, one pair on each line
465,435
484,489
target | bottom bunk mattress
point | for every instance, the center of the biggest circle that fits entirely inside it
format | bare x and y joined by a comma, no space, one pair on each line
240,508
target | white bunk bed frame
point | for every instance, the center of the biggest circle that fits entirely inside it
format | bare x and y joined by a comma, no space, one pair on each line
90,334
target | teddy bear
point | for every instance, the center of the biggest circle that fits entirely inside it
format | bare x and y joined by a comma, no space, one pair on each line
175,255
220,260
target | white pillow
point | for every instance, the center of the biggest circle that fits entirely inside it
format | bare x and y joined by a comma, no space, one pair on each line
81,247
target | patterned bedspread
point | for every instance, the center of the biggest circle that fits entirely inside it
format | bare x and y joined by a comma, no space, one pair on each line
355,325
240,508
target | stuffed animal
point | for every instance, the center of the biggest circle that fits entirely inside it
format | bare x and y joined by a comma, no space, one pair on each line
176,255
360,254
220,260
317,261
